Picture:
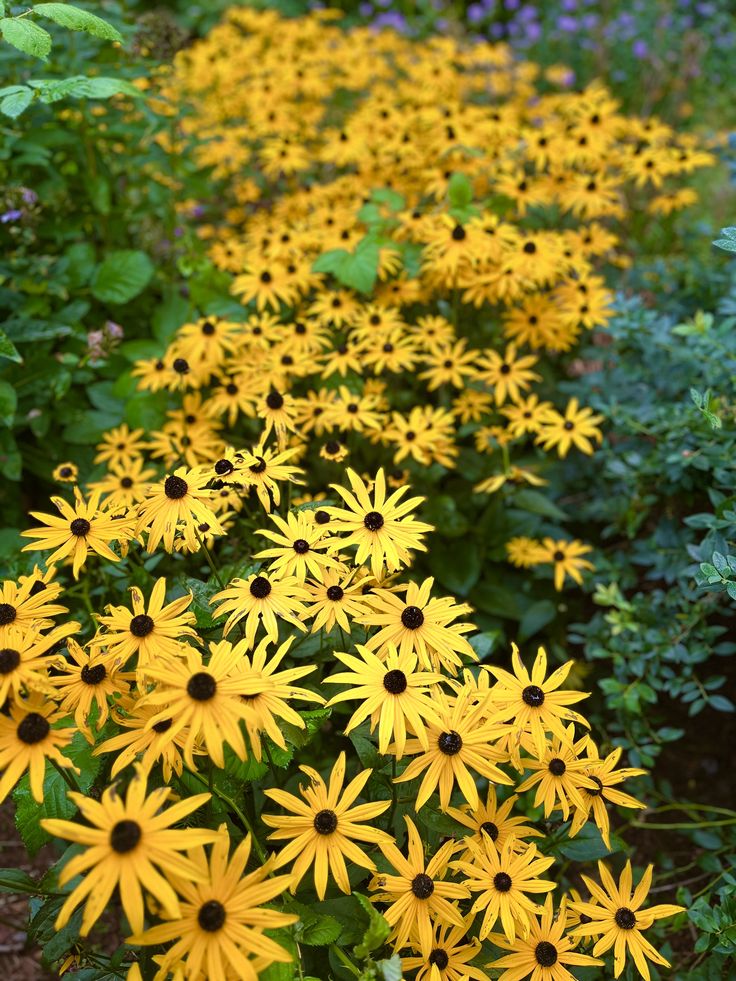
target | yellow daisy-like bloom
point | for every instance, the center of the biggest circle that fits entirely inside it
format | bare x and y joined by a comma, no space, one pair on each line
460,741
203,698
221,921
151,631
513,474
121,446
278,413
533,702
545,953
558,775
417,892
266,692
177,503
507,375
269,469
263,600
80,528
143,742
447,959
605,776
128,844
24,663
124,487
393,693
335,599
299,547
523,552
324,827
566,557
66,473
578,427
380,528
503,880
420,624
494,820
27,740
31,600
88,681
616,917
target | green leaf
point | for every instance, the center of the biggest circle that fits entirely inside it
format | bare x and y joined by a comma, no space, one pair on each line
26,36
17,102
587,846
170,316
8,403
537,616
8,349
78,20
459,191
536,503
390,970
11,461
357,269
314,929
457,569
14,880
122,276
377,932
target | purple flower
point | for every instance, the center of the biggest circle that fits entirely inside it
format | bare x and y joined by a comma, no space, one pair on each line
476,13
29,196
365,10
640,48
569,5
13,215
568,24
392,19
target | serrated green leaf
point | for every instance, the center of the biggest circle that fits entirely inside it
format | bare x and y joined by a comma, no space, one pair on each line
15,880
78,20
122,276
377,932
536,503
26,36
17,102
8,349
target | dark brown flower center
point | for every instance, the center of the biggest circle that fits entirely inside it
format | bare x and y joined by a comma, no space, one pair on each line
439,958
373,521
459,233
223,467
175,488
33,729
141,625
124,836
533,696
9,660
335,593
394,681
8,613
502,881
422,886
490,829
321,517
325,822
557,767
625,918
412,618
558,556
275,400
450,743
260,587
163,726
208,329
80,527
590,791
545,953
569,425
301,546
201,686
94,675
211,917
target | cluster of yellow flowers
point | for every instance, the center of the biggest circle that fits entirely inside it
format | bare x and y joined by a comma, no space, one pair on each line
177,701
469,201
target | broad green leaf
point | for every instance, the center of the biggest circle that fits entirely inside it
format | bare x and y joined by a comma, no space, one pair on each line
17,102
460,191
537,616
537,503
8,403
122,276
78,20
26,36
377,931
8,349
15,880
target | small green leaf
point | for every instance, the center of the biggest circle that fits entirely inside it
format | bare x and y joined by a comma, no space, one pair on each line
14,880
17,102
8,349
459,191
78,20
8,403
537,616
26,36
377,931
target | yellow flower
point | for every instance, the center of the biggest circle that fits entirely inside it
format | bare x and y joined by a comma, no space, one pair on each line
27,740
262,599
177,504
566,557
324,826
578,427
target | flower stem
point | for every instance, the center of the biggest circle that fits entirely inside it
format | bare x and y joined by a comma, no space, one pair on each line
210,560
344,959
69,779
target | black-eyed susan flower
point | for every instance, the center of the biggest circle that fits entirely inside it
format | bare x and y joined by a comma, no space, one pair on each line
535,703
381,528
545,953
448,957
177,504
143,743
203,698
266,692
81,527
558,774
299,547
30,602
417,890
494,820
503,880
222,917
393,692
66,473
335,598
121,446
508,374
578,427
128,843
269,469
334,451
323,827
605,776
262,600
27,739
566,557
617,919
86,684
461,743
523,552
150,630
24,661
124,487
421,624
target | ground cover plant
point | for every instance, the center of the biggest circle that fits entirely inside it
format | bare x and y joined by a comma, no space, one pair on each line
390,554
